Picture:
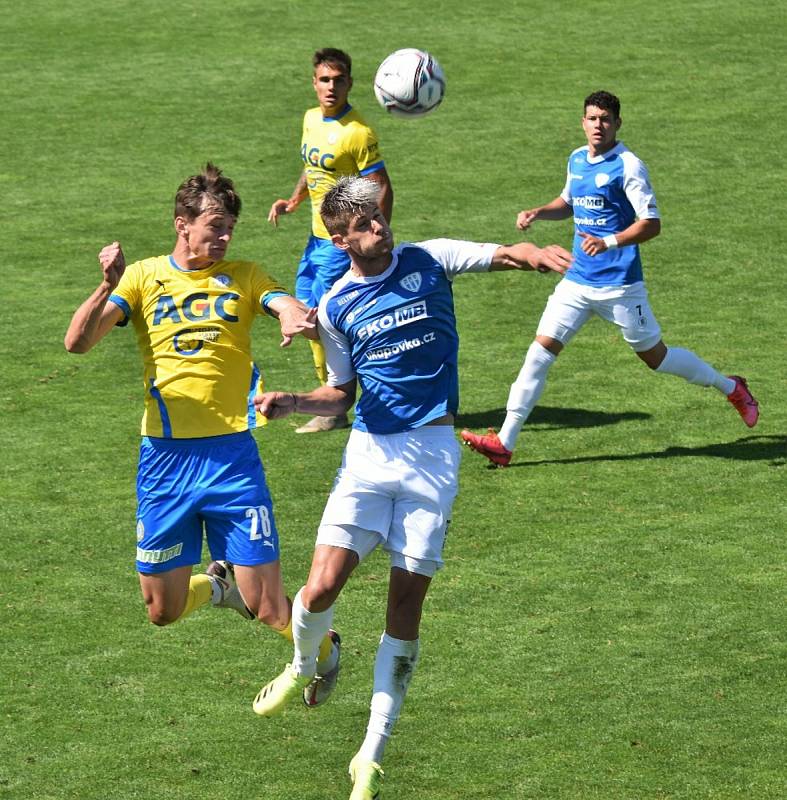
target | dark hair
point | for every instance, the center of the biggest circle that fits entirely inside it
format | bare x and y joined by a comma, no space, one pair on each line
350,197
330,55
603,100
204,192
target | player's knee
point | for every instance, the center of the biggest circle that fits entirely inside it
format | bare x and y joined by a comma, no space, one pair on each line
550,344
320,593
161,616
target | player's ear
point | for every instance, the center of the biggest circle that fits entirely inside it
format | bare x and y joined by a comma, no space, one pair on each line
181,226
338,241
618,123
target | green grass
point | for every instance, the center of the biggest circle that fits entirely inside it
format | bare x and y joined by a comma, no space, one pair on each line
610,622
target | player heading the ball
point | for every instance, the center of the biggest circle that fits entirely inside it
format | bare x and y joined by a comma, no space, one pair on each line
389,328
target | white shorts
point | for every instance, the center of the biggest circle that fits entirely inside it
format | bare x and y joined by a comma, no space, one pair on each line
398,489
572,304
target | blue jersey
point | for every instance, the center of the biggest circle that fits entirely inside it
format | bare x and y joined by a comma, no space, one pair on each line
396,333
608,193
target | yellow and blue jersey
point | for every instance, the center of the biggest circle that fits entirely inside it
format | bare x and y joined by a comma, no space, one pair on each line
194,333
332,147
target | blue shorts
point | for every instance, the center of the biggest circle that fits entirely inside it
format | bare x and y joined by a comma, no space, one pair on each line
216,484
321,265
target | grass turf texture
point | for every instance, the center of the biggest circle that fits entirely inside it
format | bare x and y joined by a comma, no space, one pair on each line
610,623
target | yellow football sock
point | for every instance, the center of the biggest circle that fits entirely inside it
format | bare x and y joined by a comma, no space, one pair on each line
200,592
325,646
318,356
286,632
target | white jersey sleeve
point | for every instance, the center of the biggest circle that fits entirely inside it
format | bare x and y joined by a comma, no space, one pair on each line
636,184
338,357
567,194
457,256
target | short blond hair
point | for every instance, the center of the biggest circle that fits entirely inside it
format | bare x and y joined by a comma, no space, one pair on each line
349,198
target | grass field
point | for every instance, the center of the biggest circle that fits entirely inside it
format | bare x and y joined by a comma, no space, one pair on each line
610,623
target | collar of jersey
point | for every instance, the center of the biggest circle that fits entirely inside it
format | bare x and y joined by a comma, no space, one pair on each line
604,156
383,275
346,110
181,269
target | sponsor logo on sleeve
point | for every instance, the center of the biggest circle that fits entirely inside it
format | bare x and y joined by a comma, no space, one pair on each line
345,298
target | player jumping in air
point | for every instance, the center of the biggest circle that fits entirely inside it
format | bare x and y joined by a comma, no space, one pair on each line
336,141
608,192
199,467
388,325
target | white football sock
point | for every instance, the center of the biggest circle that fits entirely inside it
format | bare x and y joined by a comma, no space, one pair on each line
525,391
308,631
692,368
216,590
393,670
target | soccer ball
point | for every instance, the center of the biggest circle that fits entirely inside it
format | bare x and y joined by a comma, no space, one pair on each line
409,83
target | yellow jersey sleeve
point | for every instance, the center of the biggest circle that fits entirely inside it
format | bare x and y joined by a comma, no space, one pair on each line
365,149
127,293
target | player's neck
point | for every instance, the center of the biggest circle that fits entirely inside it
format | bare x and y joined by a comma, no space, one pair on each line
594,152
187,260
333,112
370,267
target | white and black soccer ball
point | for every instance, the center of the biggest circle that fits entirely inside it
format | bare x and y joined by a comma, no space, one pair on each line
409,83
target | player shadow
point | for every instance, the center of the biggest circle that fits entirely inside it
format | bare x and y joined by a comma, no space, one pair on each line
552,418
748,448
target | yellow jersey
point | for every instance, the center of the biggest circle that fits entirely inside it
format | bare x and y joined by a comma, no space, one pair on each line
193,329
332,147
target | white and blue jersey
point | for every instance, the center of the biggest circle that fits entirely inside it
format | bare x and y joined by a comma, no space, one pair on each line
396,333
607,193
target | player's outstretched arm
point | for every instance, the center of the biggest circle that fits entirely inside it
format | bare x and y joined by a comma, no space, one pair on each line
96,316
325,401
527,256
557,209
294,317
282,206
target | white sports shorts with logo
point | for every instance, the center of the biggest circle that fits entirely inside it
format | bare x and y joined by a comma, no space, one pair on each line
572,304
396,490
